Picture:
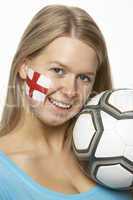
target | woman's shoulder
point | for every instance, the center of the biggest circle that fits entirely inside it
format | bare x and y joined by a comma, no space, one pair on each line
4,143
8,144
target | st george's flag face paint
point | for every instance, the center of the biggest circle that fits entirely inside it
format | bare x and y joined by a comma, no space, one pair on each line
37,85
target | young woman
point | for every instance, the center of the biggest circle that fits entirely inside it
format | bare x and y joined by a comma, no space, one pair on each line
61,60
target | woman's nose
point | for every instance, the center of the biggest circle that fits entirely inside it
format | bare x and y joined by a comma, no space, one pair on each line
69,87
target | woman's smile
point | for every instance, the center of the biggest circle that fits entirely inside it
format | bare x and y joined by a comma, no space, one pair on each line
59,106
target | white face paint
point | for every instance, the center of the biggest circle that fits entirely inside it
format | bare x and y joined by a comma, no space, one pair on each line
37,85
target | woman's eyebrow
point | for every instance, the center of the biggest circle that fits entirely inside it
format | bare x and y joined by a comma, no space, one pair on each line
68,68
60,63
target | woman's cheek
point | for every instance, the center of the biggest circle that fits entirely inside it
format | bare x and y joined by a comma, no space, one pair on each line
55,85
37,85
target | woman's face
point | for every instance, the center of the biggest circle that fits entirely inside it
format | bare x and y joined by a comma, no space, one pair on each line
71,65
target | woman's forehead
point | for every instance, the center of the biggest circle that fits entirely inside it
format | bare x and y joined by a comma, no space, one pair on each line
69,44
70,52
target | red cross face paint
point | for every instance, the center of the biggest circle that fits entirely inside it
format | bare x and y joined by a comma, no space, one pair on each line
37,85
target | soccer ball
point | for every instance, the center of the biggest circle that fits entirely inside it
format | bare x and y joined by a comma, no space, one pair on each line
103,138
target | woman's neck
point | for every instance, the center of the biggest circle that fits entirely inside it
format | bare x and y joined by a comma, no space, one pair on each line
32,132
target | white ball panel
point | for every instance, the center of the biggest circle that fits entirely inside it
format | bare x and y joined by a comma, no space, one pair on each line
110,145
95,100
115,176
83,131
129,153
125,130
109,122
122,99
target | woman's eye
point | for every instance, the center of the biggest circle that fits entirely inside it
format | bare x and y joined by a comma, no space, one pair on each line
58,71
85,78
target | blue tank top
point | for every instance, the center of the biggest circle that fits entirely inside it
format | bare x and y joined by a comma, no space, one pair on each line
15,184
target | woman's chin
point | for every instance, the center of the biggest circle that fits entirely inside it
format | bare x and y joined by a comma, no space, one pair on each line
53,122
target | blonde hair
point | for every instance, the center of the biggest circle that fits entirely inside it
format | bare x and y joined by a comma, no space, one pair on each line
49,23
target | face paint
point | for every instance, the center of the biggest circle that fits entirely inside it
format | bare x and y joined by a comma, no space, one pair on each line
36,85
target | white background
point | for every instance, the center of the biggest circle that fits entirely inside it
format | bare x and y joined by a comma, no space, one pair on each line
115,19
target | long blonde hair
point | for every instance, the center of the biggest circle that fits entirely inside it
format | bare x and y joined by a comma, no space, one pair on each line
48,24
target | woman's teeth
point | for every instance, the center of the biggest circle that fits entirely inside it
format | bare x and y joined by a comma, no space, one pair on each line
60,104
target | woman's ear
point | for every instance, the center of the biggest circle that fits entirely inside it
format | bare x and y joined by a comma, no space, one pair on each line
23,71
